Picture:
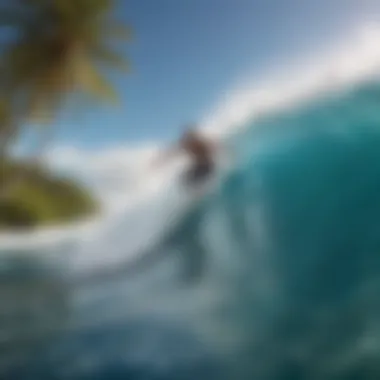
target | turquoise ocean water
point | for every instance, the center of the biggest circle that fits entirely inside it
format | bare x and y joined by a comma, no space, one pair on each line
274,275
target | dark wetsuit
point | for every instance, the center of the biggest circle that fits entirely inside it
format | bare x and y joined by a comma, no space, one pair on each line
202,162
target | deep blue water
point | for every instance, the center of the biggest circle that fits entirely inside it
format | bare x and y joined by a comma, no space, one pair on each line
274,276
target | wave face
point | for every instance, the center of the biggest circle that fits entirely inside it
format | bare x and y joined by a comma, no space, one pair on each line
274,275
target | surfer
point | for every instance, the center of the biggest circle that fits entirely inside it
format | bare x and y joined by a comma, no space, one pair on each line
201,153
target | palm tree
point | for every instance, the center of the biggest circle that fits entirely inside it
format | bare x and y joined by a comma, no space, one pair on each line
61,46
56,50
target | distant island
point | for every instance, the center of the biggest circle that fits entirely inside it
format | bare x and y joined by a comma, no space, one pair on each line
42,198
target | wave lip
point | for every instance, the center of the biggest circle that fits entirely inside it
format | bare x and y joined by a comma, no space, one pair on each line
341,65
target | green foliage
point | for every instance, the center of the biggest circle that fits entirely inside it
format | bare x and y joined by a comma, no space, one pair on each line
42,199
52,51
61,49
58,49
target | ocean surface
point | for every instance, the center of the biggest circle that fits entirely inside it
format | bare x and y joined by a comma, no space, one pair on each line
273,273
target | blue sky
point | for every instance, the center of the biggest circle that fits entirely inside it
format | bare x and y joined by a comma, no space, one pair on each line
186,53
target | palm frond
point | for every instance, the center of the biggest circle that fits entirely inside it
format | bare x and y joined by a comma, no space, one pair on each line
61,49
66,9
94,8
118,31
106,56
91,81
